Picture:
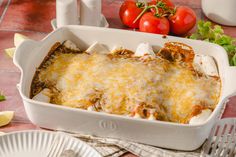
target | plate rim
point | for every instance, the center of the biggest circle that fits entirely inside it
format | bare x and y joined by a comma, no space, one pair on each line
54,133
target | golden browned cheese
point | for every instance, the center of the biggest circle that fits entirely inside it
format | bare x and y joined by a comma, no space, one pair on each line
120,84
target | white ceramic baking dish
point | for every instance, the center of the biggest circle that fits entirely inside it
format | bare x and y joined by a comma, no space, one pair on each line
30,54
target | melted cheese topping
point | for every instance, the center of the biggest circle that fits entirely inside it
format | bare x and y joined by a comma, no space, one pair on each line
120,84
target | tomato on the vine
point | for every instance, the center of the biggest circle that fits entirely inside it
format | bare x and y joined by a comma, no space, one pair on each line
183,20
168,5
158,16
129,11
150,23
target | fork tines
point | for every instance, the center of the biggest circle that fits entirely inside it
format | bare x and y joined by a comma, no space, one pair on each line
222,139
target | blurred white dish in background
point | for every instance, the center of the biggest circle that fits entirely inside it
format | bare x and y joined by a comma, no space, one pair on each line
220,11
66,12
90,12
103,22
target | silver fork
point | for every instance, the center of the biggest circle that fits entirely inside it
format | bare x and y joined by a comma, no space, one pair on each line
222,139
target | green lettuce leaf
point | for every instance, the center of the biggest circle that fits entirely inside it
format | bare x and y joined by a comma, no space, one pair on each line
215,34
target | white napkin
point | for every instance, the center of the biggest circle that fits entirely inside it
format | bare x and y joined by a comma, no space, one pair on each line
115,148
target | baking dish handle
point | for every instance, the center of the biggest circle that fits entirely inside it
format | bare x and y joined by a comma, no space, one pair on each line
23,53
230,79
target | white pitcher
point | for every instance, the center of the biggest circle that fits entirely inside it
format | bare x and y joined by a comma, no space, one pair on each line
90,12
66,12
73,12
220,11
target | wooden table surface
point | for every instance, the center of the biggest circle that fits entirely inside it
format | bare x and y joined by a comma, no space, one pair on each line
32,18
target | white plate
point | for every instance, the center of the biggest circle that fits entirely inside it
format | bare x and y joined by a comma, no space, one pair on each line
38,143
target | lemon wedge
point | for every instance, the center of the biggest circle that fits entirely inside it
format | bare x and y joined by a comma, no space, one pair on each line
19,38
10,52
6,117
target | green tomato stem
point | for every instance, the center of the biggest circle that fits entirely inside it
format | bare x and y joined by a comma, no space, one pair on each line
141,14
157,11
145,10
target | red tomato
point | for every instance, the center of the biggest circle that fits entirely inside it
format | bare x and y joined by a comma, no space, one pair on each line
129,12
182,21
152,24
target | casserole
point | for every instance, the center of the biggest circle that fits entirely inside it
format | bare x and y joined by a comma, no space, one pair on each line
30,54
168,85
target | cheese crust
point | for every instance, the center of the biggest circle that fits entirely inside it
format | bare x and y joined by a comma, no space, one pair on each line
121,83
